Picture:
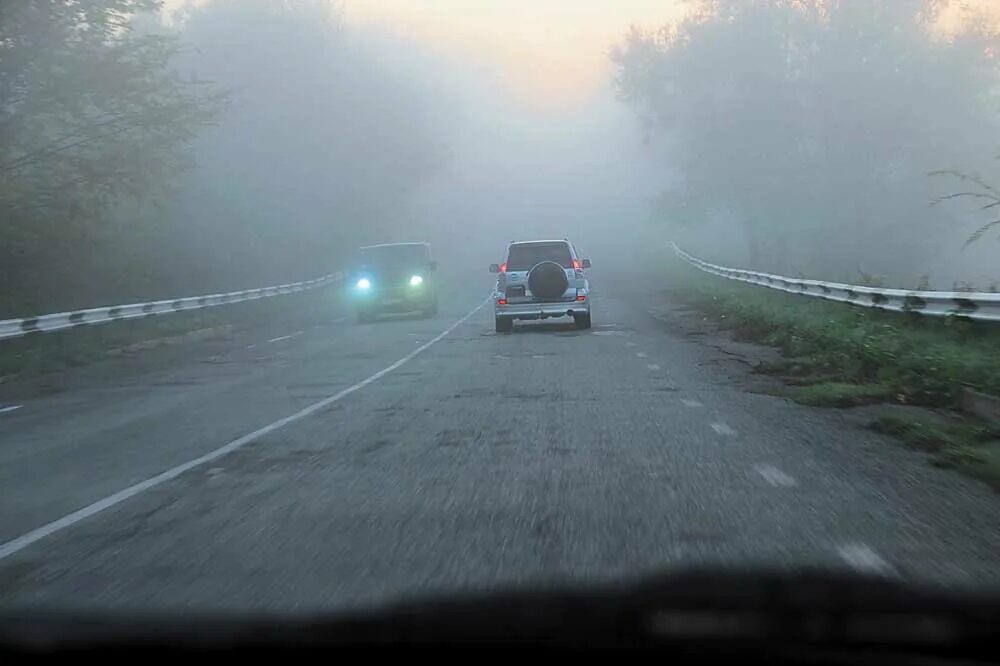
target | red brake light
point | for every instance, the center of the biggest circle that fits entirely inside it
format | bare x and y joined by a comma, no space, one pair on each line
581,297
577,264
501,301
503,268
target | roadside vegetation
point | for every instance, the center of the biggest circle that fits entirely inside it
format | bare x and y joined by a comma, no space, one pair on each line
970,447
146,156
818,133
836,355
912,359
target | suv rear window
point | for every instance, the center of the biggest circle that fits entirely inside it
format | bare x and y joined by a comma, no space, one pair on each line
525,256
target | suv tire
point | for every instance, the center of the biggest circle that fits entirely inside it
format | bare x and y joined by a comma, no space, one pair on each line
582,321
504,324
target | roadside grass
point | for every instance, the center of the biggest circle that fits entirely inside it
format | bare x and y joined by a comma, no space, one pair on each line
837,355
839,394
968,445
42,353
917,360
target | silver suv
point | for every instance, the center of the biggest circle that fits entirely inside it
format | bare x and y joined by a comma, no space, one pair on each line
541,279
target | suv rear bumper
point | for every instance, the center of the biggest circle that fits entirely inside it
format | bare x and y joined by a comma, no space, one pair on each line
541,310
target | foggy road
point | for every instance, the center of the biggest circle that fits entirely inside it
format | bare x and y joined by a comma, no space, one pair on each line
436,455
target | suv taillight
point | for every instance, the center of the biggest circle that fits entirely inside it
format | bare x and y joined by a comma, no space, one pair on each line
503,268
577,264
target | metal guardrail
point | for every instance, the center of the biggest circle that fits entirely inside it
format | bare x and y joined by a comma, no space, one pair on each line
14,328
982,306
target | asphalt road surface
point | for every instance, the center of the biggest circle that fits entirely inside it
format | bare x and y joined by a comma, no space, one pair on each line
338,465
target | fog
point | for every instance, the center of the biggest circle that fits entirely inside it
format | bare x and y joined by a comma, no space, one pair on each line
378,137
795,136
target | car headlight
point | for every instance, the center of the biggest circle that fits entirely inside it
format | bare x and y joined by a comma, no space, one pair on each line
364,283
416,281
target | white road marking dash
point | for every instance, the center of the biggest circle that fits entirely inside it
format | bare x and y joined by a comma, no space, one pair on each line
691,403
286,337
641,354
863,558
722,429
652,366
4,410
775,476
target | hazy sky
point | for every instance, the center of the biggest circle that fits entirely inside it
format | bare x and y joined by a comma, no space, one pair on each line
551,51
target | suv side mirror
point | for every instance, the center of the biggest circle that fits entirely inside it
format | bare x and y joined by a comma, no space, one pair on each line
494,268
585,263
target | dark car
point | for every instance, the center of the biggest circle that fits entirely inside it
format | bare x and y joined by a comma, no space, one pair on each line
394,277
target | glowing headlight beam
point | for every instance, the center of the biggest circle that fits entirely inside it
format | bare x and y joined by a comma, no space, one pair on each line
364,283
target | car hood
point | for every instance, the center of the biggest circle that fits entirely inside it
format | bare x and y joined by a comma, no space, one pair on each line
717,610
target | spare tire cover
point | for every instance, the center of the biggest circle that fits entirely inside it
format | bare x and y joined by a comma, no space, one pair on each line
547,280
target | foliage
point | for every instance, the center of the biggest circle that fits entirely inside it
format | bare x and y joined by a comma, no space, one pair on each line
839,394
814,122
91,114
327,139
968,445
981,191
924,360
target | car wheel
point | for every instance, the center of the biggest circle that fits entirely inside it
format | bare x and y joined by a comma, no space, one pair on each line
504,324
582,321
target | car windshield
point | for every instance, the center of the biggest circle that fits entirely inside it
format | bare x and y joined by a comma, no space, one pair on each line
393,256
283,329
524,256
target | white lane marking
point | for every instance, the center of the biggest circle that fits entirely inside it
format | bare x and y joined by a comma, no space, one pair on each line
613,333
286,337
691,403
339,320
863,558
775,476
4,410
652,366
722,429
641,354
9,548
630,344
251,346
